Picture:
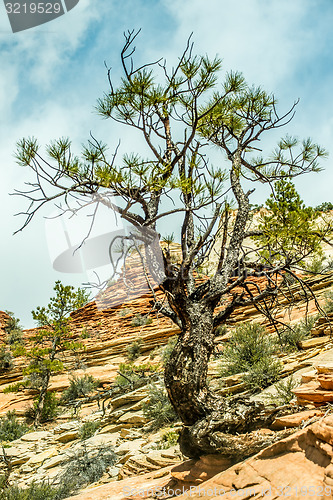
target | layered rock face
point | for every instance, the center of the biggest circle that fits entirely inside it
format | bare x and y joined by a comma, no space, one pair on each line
106,331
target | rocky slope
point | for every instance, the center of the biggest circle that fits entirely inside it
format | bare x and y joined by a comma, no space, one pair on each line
144,458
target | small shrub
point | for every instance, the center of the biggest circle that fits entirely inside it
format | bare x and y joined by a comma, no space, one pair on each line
11,428
324,207
169,438
131,374
166,353
140,320
86,467
133,350
35,491
221,330
124,312
79,387
248,345
159,408
6,358
49,411
328,305
262,374
316,265
88,429
13,330
85,334
283,391
290,338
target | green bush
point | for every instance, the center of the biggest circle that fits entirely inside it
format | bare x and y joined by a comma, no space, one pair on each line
316,265
324,207
6,358
167,350
283,391
132,374
140,320
88,429
85,334
11,428
133,350
79,387
328,305
248,345
169,438
124,312
36,491
290,338
50,408
86,467
159,408
263,373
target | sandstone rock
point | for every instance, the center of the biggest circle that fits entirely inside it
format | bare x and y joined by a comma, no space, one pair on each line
195,472
133,418
326,381
40,458
324,368
308,376
66,437
295,420
303,460
67,426
129,446
36,436
314,393
130,397
318,341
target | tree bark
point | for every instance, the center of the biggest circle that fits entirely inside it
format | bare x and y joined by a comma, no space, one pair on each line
186,370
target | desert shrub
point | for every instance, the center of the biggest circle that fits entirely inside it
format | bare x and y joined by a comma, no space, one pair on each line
88,429
167,350
158,408
221,330
248,345
283,391
328,305
49,411
86,467
169,438
290,338
130,374
316,265
324,207
36,491
263,373
85,334
79,387
124,312
11,428
6,358
141,320
134,349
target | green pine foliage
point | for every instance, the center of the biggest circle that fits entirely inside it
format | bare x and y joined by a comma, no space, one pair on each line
88,429
79,387
250,351
44,358
287,227
49,409
158,408
6,359
134,350
11,428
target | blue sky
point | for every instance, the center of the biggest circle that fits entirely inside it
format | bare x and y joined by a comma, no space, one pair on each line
52,75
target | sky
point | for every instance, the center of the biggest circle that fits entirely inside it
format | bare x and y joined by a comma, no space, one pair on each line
52,75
